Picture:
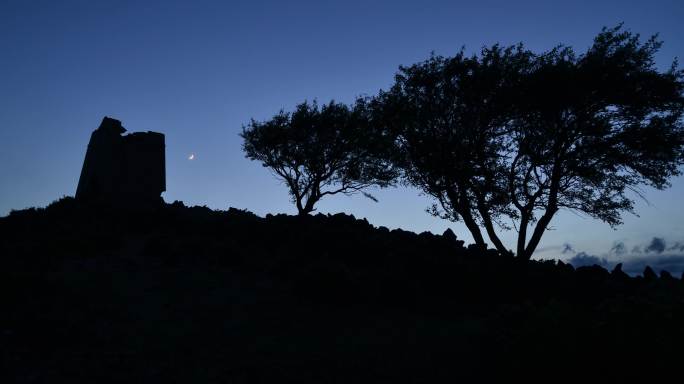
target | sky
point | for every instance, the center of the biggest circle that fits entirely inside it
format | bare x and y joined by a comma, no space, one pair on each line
197,71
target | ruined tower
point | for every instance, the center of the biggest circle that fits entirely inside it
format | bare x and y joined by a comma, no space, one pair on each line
127,169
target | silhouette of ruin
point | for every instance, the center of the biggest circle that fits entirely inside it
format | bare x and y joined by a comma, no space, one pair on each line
117,168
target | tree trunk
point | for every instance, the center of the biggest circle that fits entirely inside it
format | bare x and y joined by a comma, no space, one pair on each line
551,209
303,212
489,225
475,232
538,232
474,229
462,207
491,232
522,234
311,200
308,208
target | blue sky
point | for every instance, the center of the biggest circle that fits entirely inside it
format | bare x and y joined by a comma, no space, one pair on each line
198,70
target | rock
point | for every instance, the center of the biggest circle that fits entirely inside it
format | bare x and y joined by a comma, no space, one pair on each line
449,235
649,275
667,276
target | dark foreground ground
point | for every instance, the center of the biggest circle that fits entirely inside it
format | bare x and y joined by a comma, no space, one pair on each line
177,294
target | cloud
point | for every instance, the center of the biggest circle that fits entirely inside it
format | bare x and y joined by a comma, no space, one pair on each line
634,265
657,245
677,246
584,259
567,248
619,249
655,254
673,263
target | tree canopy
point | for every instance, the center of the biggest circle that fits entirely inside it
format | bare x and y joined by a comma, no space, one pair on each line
320,151
509,136
450,117
501,139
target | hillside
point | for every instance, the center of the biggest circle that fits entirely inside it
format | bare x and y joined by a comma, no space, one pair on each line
187,294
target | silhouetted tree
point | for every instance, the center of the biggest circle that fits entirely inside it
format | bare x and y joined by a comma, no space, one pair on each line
509,134
451,118
592,128
321,151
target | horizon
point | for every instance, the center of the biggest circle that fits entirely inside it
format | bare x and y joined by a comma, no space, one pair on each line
198,73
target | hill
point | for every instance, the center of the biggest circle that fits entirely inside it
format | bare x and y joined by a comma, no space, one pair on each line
187,294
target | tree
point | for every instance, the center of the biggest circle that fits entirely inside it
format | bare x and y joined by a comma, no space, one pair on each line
451,120
514,135
591,129
321,151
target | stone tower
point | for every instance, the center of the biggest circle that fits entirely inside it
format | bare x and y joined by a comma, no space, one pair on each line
123,169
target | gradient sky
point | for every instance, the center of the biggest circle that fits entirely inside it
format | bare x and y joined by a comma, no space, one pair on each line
198,70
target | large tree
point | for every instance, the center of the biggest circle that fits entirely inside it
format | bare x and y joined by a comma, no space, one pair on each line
321,151
451,120
508,134
593,129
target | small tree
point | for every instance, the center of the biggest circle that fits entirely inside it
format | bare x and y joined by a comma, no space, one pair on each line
321,151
